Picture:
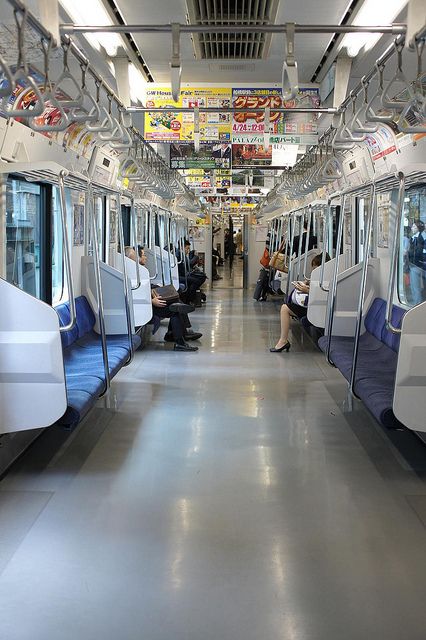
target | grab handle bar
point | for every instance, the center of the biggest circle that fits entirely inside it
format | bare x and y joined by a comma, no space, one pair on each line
22,73
370,114
395,254
66,250
391,103
49,99
290,78
66,76
82,114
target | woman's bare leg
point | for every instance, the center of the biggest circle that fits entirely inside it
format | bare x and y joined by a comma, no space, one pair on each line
285,326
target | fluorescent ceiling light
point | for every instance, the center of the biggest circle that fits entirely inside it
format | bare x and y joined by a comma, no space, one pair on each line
372,12
92,13
137,84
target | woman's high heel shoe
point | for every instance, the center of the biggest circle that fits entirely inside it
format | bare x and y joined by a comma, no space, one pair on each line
285,347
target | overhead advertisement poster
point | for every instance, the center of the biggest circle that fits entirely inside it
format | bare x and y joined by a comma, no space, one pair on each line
288,130
210,156
175,126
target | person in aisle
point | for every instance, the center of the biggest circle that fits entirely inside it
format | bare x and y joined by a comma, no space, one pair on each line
417,261
296,307
193,279
179,330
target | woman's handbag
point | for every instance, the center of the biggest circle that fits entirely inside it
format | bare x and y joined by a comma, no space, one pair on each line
168,293
264,260
278,261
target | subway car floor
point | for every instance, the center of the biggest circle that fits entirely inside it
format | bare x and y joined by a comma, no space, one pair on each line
224,495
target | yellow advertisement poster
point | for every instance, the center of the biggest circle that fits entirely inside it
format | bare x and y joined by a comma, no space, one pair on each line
172,126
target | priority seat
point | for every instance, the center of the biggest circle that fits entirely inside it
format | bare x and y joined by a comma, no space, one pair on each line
83,360
376,364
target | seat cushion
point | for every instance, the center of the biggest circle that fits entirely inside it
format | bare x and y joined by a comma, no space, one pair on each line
85,316
67,337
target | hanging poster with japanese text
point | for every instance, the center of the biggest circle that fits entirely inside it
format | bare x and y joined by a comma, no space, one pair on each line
176,126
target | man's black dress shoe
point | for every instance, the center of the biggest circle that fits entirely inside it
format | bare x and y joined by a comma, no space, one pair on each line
192,335
184,346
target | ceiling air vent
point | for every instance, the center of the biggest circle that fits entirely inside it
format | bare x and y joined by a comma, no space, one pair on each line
235,45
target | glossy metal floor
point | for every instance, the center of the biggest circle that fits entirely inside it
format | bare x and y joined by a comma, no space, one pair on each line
225,497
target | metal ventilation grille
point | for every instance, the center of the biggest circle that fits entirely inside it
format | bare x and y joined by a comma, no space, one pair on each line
221,46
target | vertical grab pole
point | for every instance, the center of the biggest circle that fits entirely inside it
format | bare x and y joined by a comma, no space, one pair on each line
173,238
161,222
395,254
299,250
135,242
90,208
151,239
308,236
66,251
167,222
367,245
331,301
290,259
328,219
125,282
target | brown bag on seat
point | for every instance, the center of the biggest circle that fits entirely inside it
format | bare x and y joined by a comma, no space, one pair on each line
168,293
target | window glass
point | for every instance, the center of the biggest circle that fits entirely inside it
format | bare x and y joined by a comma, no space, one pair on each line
23,236
412,271
59,285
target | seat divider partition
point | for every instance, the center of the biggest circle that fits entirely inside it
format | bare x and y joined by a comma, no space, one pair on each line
308,236
325,242
299,248
161,222
135,242
367,246
395,255
292,221
125,280
331,302
66,253
151,239
167,232
90,209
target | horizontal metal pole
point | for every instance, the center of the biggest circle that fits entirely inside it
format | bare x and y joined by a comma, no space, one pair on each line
329,110
394,29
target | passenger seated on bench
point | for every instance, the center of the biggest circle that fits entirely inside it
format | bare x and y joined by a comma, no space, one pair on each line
297,306
194,277
179,330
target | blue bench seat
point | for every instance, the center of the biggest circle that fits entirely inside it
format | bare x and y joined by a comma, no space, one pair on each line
377,361
83,361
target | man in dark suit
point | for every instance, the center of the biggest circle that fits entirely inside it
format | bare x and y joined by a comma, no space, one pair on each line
223,151
312,240
191,280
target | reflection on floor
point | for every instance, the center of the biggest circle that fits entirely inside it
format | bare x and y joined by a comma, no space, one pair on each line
231,273
223,496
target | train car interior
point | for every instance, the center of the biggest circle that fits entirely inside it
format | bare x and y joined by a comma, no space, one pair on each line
212,320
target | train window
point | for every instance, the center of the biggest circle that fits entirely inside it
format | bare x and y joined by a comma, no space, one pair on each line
412,266
23,235
383,209
59,287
